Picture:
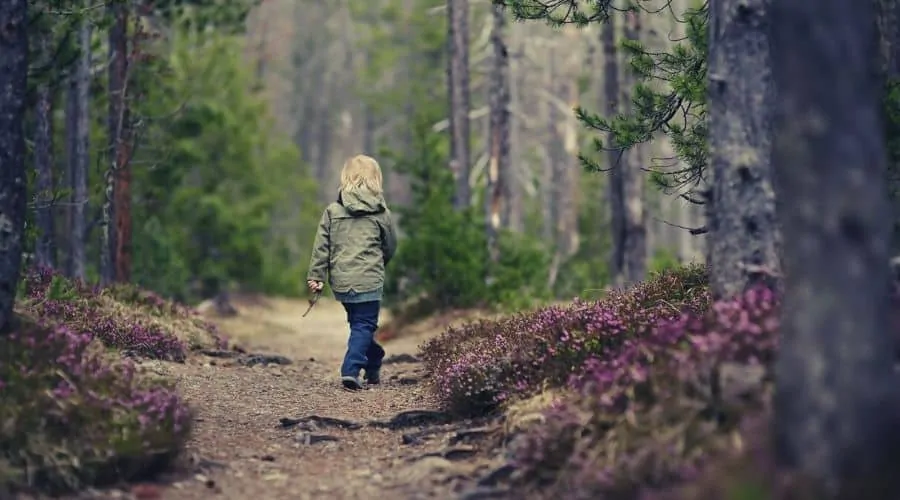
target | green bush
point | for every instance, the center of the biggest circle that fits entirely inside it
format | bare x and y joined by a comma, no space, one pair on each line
443,259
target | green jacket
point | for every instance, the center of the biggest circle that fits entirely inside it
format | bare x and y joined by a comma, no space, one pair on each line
355,241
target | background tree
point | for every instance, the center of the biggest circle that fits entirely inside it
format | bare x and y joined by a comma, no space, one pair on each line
458,89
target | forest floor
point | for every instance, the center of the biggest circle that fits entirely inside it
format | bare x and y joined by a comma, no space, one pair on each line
283,427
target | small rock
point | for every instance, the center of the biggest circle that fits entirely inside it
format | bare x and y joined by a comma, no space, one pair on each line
275,476
267,458
410,439
310,439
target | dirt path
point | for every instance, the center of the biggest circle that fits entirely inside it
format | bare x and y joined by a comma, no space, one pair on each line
241,450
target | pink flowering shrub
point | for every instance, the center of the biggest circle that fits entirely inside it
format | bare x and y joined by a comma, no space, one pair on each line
71,417
478,366
655,410
136,322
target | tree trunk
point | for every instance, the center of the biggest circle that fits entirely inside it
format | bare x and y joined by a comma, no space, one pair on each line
549,117
13,87
743,229
45,246
611,96
458,86
115,255
516,176
888,16
497,199
634,246
81,160
567,166
836,402
66,182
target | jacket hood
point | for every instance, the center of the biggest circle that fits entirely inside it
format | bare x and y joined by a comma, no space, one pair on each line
362,201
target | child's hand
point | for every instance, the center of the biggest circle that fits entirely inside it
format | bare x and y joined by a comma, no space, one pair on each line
315,286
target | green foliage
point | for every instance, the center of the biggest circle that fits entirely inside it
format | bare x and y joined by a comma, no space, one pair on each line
585,273
222,16
226,199
662,260
670,97
443,262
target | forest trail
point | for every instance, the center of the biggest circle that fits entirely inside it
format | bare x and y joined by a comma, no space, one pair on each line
241,449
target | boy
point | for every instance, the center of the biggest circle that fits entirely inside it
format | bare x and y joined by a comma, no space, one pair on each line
355,241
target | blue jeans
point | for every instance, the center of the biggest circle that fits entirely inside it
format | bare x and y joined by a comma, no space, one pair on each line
362,350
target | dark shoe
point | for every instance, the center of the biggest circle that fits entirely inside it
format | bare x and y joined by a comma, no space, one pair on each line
373,377
351,383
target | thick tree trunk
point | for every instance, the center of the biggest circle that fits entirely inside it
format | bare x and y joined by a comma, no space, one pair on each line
497,199
612,96
78,223
45,246
634,246
458,86
13,87
836,405
743,230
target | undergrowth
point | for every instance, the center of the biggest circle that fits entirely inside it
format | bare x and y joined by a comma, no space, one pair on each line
652,387
76,413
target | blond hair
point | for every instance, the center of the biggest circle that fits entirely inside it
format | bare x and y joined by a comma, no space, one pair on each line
361,172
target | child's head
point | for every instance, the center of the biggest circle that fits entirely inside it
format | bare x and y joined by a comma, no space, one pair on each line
361,172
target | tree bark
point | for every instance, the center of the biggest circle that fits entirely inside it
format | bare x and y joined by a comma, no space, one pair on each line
612,96
497,210
458,86
66,182
45,246
81,160
634,246
567,166
516,132
115,256
743,229
836,404
13,88
888,16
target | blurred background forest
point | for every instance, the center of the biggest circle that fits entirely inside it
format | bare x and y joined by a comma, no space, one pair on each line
190,146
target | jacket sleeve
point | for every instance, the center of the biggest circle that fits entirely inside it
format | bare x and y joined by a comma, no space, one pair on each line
388,237
318,261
